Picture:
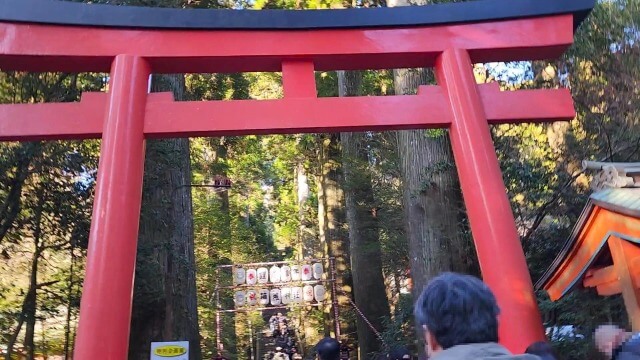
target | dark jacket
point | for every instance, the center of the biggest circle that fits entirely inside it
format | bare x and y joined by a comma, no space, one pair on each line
629,350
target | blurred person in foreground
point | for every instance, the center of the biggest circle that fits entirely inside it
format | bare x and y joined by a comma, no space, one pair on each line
616,343
328,349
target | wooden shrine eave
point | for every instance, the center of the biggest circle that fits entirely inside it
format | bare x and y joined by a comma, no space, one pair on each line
585,260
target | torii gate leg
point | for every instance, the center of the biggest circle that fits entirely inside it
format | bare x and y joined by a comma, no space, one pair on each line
105,309
497,241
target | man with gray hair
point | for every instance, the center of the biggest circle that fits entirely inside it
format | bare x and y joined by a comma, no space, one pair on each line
459,315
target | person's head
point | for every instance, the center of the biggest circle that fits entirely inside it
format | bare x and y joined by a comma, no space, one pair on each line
542,349
456,309
328,349
399,353
608,338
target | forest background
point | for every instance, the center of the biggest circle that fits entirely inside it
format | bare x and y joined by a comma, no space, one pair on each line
387,205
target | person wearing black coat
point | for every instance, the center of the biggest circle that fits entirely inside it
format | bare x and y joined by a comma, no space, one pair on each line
543,350
399,353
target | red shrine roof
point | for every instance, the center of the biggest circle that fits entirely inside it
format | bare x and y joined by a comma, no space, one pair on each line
585,260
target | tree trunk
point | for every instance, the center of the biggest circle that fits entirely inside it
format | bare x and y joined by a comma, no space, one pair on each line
28,311
14,337
331,219
432,199
228,335
322,225
366,258
431,195
165,302
307,240
67,328
30,305
10,207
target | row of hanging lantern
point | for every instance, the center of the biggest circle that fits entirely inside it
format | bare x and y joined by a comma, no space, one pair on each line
277,274
283,296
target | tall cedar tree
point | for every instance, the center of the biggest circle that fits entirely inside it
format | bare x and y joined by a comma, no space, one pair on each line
366,257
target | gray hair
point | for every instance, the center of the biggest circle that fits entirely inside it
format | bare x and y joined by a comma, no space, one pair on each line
458,309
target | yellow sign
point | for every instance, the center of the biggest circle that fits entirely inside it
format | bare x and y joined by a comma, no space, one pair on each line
170,351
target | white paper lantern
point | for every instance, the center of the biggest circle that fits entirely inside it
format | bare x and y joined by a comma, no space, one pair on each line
319,293
274,273
285,273
239,298
307,273
285,292
276,298
317,271
264,296
252,276
239,276
295,272
263,275
296,294
307,293
252,297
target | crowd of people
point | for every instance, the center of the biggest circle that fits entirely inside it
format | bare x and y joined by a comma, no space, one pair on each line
284,338
459,315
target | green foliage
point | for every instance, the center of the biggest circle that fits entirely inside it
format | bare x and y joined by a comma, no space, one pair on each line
541,163
299,4
399,330
45,206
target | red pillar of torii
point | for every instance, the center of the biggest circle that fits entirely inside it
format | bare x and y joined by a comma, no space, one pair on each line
167,41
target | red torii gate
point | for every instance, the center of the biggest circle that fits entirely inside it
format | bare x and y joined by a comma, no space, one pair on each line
131,43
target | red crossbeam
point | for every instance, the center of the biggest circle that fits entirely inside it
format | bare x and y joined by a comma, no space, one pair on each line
168,118
51,121
526,105
59,48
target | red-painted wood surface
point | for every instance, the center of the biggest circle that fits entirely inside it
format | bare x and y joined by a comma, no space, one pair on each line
105,308
59,48
500,253
624,254
591,240
166,118
298,79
